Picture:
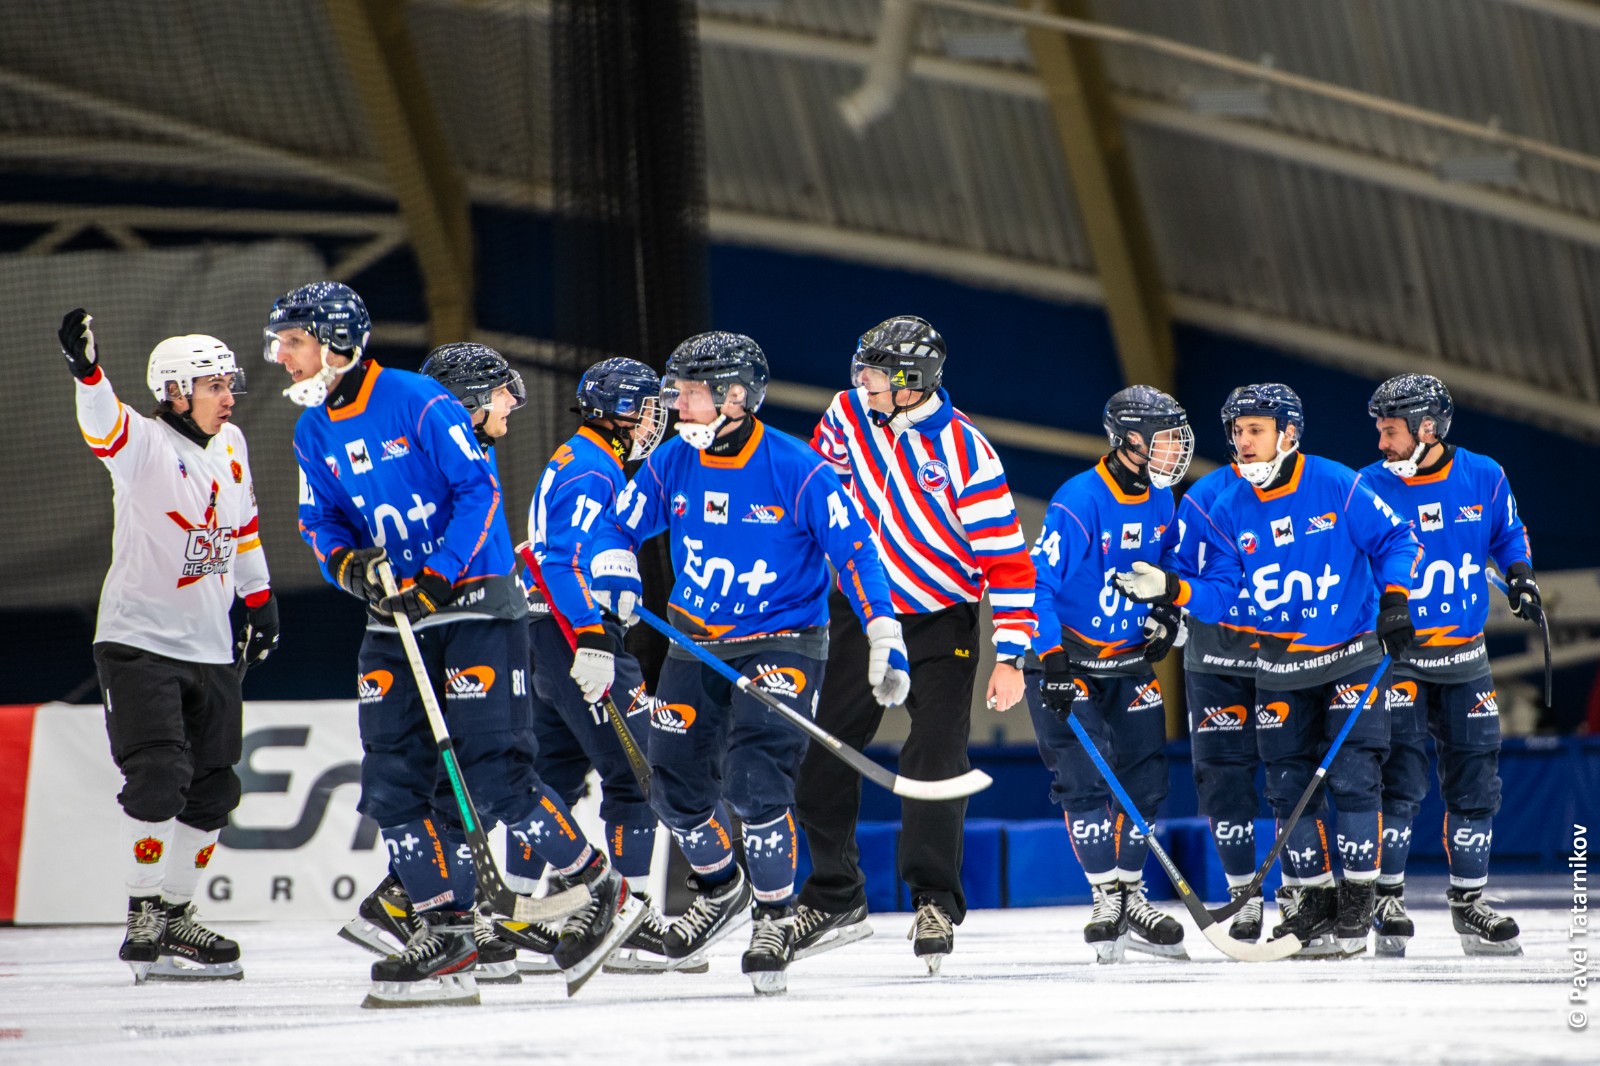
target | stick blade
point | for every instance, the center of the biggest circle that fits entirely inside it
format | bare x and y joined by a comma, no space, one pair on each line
946,789
1244,951
548,908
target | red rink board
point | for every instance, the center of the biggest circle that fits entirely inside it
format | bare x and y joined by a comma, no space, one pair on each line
16,741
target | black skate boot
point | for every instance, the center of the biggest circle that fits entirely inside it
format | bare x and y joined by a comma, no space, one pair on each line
1246,924
141,944
1483,932
1390,922
646,950
593,933
1107,931
191,952
766,961
385,921
497,958
435,969
1151,931
535,938
932,934
710,917
1356,899
1311,914
816,930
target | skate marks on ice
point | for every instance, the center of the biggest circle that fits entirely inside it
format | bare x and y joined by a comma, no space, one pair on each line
1020,987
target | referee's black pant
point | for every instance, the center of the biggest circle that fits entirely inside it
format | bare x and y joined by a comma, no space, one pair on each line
943,650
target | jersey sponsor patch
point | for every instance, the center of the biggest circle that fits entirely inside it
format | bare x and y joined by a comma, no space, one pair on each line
933,476
1229,719
764,515
716,509
1132,534
784,681
1401,694
1430,516
472,683
1248,542
1321,523
672,717
1282,531
360,458
1147,698
680,505
372,687
1470,513
398,448
1486,707
1272,715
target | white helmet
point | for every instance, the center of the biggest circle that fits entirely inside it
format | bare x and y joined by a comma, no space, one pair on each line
182,359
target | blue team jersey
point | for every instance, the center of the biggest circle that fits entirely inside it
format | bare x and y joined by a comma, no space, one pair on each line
576,496
1464,514
1092,530
751,536
398,467
1227,646
1314,554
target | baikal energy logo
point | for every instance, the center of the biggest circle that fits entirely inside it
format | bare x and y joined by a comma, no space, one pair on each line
672,717
372,687
1485,707
781,681
1222,719
472,683
1147,698
1272,715
1401,694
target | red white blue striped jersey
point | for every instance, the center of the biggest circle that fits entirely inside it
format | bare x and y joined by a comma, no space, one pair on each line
936,497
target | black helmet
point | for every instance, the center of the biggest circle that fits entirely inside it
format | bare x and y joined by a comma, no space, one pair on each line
1414,397
718,359
472,372
906,348
1148,411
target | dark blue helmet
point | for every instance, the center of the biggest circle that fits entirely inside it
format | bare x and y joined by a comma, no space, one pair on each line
1277,402
719,359
327,310
1415,398
1147,411
906,348
617,388
472,373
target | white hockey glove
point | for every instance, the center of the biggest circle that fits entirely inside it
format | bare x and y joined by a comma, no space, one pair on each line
594,665
888,668
1148,584
614,577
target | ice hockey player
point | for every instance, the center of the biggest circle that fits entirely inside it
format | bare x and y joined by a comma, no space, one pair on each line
577,652
386,455
754,517
1219,676
1097,651
1330,567
184,544
1460,506
936,497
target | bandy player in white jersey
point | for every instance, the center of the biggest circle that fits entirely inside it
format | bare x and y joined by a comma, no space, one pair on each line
185,544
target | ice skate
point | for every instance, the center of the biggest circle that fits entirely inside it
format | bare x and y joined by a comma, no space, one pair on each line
1354,924
497,958
1107,931
191,952
593,933
434,970
1482,930
710,917
817,930
766,961
1391,925
1311,914
535,939
141,944
932,934
1151,931
1246,924
646,950
385,921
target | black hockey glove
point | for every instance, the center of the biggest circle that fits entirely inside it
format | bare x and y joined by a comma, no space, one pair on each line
1523,592
1395,630
258,637
77,343
1162,629
356,571
1060,686
428,592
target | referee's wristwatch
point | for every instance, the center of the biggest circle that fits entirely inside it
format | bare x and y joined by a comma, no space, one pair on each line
1014,661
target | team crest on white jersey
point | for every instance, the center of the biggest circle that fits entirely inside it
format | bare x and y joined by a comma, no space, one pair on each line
360,458
933,476
716,512
1132,535
1430,516
1282,531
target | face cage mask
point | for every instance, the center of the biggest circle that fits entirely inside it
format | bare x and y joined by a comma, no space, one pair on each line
1259,474
1176,468
644,442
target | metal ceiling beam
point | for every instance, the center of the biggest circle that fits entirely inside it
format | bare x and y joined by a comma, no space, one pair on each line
376,41
1090,133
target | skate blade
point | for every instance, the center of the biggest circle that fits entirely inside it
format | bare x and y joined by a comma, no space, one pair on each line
1391,947
1350,946
537,964
141,971
632,960
1474,945
497,973
363,934
1110,951
839,938
770,982
628,920
172,968
1321,947
1175,952
450,990
933,962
